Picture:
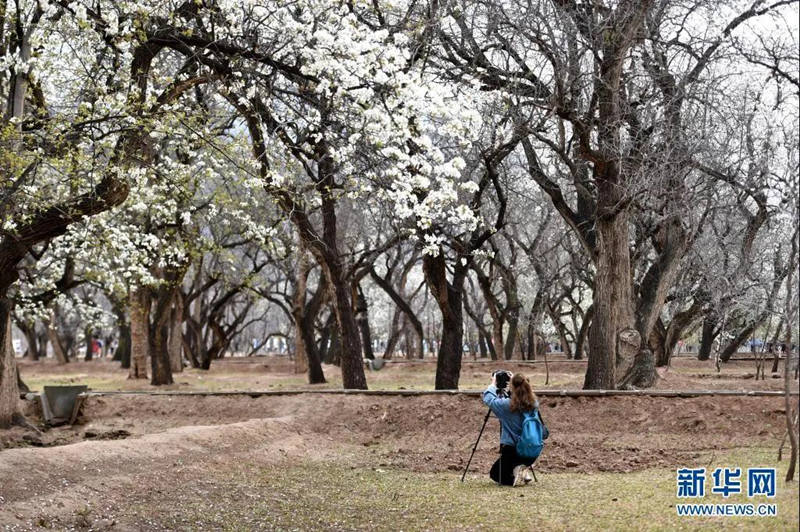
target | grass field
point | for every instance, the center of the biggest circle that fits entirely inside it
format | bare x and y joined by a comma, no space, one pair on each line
323,495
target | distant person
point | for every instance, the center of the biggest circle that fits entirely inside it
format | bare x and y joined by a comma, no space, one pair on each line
97,346
510,469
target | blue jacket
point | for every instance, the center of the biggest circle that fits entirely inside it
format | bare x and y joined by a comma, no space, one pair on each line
510,422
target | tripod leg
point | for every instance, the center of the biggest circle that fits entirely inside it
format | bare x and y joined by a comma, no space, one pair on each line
489,413
534,473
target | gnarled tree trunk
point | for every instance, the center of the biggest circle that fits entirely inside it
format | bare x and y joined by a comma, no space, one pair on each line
140,332
9,389
612,302
448,297
175,343
158,335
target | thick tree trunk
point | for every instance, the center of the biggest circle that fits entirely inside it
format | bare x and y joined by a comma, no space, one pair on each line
707,336
612,302
87,334
298,307
175,345
351,361
158,336
300,353
9,388
733,346
122,353
448,363
140,332
305,314
315,373
448,297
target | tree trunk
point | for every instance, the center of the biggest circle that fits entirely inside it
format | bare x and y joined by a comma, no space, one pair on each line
448,297
87,333
32,352
140,332
561,329
158,335
482,344
335,348
9,388
298,306
175,345
362,318
122,353
709,333
789,404
395,331
41,346
300,353
351,361
55,341
307,356
612,303
773,343
581,342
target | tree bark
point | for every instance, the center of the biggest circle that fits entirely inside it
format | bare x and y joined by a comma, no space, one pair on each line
122,353
140,332
302,270
307,357
581,342
708,334
362,318
448,296
158,335
33,350
612,303
9,388
58,348
395,332
87,334
791,424
175,345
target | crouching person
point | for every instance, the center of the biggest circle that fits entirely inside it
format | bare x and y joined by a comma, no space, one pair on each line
511,407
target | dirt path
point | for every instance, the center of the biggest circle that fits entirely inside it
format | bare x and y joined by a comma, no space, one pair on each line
171,445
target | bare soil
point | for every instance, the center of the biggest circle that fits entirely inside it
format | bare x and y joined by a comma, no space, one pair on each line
142,448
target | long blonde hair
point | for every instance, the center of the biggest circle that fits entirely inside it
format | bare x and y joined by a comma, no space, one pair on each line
522,397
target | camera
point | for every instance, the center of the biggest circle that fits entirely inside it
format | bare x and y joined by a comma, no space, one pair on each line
501,378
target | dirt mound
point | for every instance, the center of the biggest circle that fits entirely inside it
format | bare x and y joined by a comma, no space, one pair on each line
435,433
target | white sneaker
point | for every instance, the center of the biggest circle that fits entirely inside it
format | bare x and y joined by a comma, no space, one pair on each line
519,476
528,476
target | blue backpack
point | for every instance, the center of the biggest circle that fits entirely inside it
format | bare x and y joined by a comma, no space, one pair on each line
534,432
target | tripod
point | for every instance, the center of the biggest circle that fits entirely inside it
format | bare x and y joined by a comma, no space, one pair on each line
485,420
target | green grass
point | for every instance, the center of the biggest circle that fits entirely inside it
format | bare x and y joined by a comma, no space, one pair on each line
323,495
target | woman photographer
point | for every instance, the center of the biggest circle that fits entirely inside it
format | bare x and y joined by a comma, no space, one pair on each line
510,469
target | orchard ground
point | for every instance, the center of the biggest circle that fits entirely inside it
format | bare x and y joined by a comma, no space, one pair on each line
317,461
